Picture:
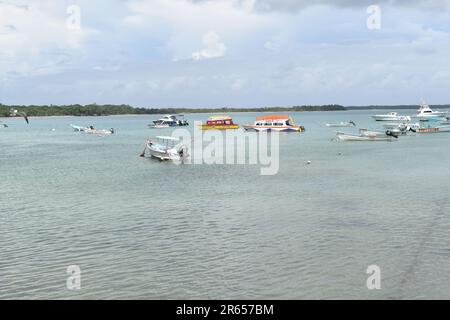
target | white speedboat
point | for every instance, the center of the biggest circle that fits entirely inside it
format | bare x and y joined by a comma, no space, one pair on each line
426,113
164,148
3,125
92,130
169,121
391,116
341,136
340,124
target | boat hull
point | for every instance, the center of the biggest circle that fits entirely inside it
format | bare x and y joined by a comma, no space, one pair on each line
272,128
391,118
219,127
165,154
433,130
339,125
340,136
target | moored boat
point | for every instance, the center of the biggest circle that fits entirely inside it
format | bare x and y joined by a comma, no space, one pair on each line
426,113
169,121
219,123
78,128
340,124
403,127
391,116
341,136
164,149
92,130
281,123
395,133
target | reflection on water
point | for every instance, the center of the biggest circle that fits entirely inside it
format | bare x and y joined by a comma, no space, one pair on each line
143,229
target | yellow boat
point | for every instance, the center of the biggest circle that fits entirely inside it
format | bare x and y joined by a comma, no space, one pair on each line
219,123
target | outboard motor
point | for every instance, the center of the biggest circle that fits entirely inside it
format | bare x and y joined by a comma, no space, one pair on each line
112,130
182,152
391,134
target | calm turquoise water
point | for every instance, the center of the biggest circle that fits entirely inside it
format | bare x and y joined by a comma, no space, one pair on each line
143,229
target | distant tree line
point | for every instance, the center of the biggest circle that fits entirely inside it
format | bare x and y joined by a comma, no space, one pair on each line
109,109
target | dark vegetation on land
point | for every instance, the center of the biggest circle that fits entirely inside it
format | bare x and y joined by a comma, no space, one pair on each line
106,110
109,109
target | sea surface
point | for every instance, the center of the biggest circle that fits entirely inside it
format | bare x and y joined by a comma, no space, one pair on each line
142,229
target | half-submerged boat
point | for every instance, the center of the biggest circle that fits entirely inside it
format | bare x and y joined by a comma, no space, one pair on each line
163,148
281,123
426,113
78,128
219,123
341,136
92,130
391,116
340,124
169,121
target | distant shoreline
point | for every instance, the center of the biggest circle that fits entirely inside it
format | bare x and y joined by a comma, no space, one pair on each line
127,110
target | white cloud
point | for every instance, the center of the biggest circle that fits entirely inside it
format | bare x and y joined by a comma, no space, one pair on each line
213,47
35,34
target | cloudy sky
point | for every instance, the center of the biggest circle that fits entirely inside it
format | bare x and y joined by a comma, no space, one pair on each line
200,53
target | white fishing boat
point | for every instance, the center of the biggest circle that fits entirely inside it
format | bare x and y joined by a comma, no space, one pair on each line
341,136
391,116
92,130
395,133
403,127
426,113
340,124
100,132
164,149
169,121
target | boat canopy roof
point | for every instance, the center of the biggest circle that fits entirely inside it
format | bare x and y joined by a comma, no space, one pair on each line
167,138
218,118
272,117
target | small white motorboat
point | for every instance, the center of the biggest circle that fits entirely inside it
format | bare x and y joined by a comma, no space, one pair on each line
164,149
341,136
92,130
3,125
395,133
391,116
340,124
169,121
403,127
100,132
426,113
